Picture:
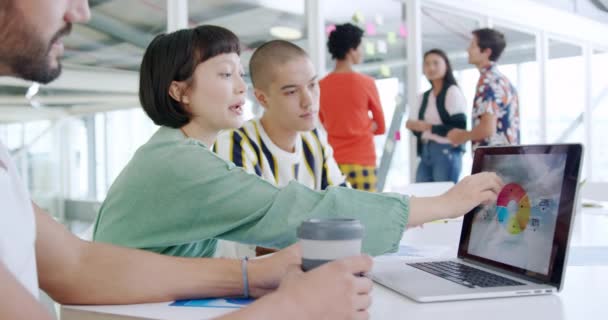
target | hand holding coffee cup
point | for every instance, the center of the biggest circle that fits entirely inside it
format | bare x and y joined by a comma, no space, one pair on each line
326,239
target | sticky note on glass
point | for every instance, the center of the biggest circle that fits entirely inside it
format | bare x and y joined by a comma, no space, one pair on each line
379,19
403,31
329,29
382,47
370,29
385,71
391,37
358,17
370,49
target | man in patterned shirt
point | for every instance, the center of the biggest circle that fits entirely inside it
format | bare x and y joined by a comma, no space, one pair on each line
495,115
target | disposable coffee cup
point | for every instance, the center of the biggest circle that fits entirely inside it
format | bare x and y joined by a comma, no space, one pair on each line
326,239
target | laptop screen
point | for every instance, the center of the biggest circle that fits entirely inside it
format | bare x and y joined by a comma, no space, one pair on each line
523,230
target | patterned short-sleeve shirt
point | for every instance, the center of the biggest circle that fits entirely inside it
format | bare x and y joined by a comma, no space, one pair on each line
496,95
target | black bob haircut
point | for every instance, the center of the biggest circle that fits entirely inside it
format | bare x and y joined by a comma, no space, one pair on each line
174,57
345,37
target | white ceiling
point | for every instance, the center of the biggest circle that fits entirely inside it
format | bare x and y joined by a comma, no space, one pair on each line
111,45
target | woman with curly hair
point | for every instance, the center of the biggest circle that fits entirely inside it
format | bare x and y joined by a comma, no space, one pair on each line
347,97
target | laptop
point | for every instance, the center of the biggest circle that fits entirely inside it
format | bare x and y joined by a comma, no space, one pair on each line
515,247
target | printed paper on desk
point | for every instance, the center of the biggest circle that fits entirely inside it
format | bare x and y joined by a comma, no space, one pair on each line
418,252
424,189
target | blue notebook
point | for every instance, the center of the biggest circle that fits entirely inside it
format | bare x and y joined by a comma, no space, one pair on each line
214,303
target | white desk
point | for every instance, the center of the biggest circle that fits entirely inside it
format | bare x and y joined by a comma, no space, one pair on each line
584,297
585,293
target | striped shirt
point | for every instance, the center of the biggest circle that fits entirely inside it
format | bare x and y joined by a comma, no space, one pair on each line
249,147
311,164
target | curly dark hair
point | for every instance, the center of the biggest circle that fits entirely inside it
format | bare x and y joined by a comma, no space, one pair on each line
345,37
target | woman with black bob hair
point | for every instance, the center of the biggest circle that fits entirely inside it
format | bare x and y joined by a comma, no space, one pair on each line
167,74
177,197
439,110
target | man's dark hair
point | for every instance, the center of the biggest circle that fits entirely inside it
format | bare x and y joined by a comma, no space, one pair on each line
493,39
174,57
345,37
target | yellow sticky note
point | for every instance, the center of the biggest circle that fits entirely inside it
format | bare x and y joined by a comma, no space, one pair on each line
370,49
391,37
358,17
385,71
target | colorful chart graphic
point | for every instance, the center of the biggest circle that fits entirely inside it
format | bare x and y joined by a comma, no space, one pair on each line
513,208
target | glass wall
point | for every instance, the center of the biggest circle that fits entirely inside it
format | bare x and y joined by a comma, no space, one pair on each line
599,117
32,149
114,150
518,63
566,95
41,159
78,148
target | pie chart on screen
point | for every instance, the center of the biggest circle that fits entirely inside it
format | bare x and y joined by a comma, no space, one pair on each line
513,208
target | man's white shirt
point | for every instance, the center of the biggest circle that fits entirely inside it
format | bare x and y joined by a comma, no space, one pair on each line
17,226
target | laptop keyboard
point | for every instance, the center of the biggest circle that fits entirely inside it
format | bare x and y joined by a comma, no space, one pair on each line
464,275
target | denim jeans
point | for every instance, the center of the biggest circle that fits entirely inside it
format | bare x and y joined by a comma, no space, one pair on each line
439,162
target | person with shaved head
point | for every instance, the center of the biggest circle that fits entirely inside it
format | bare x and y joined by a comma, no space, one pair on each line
284,144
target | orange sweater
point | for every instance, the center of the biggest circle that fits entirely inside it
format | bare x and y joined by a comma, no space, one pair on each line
346,100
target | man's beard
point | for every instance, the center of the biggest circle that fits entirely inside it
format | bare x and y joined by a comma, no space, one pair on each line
24,53
35,67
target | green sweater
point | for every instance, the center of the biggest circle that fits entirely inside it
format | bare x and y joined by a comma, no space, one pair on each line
176,197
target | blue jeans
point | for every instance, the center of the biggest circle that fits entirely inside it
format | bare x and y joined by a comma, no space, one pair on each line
439,162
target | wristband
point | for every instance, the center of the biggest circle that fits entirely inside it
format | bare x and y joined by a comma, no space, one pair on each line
245,277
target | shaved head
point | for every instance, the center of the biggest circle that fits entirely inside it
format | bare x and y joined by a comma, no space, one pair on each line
267,57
